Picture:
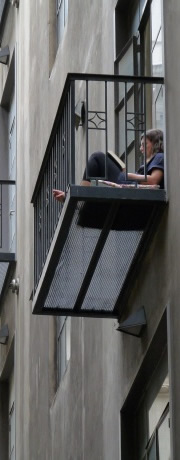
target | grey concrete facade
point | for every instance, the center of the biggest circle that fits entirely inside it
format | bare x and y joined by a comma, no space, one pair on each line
82,417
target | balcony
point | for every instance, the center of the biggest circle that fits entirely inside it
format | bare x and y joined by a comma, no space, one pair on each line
88,251
7,232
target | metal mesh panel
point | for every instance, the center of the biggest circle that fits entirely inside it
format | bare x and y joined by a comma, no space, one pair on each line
111,270
72,265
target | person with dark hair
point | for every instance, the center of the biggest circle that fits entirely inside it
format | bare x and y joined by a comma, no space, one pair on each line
154,165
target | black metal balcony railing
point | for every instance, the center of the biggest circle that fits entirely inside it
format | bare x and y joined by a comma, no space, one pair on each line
58,170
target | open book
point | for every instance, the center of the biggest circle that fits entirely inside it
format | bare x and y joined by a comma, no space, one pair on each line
117,160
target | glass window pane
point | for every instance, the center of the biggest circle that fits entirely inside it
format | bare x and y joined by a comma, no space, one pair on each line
62,352
66,11
152,451
60,21
68,339
158,406
159,106
157,57
156,19
164,439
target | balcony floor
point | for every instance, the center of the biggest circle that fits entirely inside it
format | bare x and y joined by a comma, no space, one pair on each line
100,239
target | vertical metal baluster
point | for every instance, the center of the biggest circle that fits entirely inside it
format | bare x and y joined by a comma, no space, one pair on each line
53,181
36,256
65,147
35,244
67,143
43,220
106,134
52,186
56,181
59,162
86,126
46,211
72,146
125,124
1,215
38,238
61,155
62,148
50,195
39,234
68,134
145,152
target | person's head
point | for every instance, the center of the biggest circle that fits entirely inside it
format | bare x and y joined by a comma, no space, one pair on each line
154,142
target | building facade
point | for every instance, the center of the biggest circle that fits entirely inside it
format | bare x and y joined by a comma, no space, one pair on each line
89,292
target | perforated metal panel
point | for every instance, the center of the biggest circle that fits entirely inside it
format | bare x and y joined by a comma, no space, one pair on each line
98,242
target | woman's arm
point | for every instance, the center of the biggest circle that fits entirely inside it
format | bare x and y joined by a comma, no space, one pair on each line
154,179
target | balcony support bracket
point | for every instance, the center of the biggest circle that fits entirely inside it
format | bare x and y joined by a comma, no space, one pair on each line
134,324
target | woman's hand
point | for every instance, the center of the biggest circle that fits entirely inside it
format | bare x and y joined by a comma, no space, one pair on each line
59,195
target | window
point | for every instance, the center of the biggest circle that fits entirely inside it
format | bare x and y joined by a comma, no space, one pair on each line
140,55
145,418
155,410
11,405
62,13
63,345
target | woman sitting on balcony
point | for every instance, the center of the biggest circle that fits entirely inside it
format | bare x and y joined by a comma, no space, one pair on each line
154,164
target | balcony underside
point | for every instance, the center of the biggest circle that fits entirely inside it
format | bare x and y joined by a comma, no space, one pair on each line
97,246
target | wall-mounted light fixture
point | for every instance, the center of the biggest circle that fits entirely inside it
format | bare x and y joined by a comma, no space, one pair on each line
4,55
14,286
4,334
135,324
15,3
79,114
